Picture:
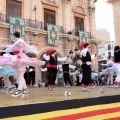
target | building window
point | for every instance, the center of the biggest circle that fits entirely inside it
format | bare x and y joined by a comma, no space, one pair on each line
109,54
13,8
49,17
109,46
79,25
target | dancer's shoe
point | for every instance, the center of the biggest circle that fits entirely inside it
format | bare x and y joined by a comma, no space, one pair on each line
10,90
18,93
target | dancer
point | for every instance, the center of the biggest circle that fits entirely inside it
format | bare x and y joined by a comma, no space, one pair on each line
31,80
66,73
52,67
109,73
20,60
78,76
26,77
116,66
6,72
86,67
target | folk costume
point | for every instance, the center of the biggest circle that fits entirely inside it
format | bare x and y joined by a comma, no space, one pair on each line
31,80
116,66
5,72
52,67
86,67
77,77
109,64
26,76
66,73
20,60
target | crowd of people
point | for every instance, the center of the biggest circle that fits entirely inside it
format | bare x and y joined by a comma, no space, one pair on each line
22,68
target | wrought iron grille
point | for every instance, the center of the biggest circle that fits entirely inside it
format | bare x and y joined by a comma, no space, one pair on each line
31,23
13,8
49,18
79,25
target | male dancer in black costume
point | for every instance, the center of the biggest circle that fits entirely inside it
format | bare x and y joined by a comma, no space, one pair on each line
52,67
86,67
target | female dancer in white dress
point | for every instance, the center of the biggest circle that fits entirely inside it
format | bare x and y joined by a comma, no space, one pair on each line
20,60
109,73
116,66
5,72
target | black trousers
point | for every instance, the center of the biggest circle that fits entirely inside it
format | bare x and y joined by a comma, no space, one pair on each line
26,77
31,78
86,78
66,77
52,73
77,77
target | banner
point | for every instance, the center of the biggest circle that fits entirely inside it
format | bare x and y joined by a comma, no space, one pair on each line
53,34
83,36
17,25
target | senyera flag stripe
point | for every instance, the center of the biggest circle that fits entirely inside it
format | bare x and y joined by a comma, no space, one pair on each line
86,114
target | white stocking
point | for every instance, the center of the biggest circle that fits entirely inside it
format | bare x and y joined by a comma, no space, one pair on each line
7,81
110,78
21,80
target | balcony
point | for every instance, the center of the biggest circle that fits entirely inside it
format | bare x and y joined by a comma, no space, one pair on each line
31,23
37,25
75,32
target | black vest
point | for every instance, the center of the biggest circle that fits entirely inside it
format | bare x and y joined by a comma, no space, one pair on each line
87,57
31,67
117,57
65,67
53,61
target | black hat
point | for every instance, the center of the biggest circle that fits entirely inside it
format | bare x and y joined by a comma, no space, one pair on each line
116,48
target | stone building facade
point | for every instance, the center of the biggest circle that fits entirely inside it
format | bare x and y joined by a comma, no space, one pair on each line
116,14
69,15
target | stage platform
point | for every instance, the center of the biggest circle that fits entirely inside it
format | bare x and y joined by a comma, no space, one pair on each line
42,95
53,105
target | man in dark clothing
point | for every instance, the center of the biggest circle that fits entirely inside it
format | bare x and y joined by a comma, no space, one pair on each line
52,67
66,73
86,67
31,76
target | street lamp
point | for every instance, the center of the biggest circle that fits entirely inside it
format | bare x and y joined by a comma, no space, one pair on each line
34,10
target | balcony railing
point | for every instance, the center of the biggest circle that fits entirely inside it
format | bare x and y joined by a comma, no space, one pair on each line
39,25
75,32
30,23
36,24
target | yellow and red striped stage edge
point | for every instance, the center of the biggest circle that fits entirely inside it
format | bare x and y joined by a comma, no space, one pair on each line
95,112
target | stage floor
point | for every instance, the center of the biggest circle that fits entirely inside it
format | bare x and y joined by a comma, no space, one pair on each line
42,95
